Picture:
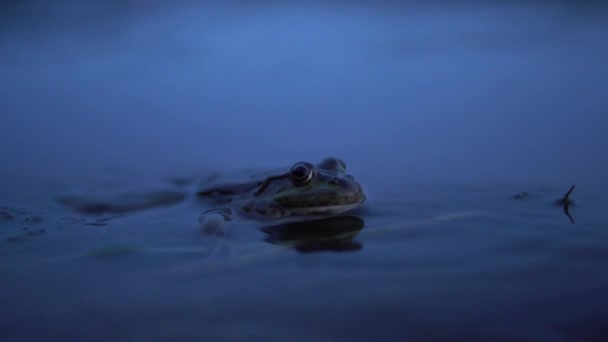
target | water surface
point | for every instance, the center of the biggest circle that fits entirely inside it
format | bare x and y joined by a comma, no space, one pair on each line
441,112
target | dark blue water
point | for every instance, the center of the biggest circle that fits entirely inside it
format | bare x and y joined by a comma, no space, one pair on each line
441,112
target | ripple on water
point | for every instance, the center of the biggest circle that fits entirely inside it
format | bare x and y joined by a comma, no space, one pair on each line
122,202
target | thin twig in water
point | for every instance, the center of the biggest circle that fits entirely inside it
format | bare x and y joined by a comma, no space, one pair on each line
566,202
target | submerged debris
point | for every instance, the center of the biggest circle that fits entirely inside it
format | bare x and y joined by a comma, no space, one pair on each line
6,213
521,195
566,202
566,199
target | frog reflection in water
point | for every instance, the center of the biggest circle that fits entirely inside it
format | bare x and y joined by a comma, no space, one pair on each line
304,190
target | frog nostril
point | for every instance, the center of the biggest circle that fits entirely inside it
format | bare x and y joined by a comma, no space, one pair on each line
334,181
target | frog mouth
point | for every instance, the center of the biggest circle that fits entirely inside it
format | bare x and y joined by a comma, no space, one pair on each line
325,209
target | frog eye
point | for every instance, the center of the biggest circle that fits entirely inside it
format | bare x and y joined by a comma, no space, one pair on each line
301,173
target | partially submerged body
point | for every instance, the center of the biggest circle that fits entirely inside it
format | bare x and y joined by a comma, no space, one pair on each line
303,191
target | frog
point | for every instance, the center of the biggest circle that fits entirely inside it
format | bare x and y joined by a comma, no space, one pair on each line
304,190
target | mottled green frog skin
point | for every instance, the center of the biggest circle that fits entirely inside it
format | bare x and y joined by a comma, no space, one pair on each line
304,190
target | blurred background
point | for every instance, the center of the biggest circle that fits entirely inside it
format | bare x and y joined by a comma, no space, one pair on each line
484,91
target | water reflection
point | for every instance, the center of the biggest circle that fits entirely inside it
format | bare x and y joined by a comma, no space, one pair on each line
330,234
